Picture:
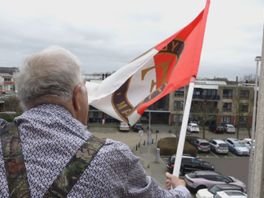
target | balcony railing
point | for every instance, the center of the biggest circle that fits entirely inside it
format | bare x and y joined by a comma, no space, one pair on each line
206,97
226,96
202,110
227,110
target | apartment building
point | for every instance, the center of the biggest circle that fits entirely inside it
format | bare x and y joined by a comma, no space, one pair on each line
214,101
7,83
218,101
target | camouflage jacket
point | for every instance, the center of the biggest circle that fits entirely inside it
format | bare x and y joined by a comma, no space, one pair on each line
16,170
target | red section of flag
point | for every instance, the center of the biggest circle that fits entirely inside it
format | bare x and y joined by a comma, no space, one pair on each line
178,58
164,66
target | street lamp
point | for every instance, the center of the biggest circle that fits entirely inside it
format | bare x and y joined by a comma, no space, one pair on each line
257,59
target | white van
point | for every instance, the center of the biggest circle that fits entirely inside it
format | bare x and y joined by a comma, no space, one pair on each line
193,127
124,127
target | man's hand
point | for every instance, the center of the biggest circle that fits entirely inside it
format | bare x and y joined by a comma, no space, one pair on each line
173,181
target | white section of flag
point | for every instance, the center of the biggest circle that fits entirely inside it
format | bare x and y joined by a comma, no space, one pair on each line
100,95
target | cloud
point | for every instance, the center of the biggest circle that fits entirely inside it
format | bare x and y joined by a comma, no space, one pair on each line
106,35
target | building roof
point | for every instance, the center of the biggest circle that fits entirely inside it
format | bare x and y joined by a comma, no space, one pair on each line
209,84
8,70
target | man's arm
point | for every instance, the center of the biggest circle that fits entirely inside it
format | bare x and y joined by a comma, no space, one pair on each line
141,185
174,182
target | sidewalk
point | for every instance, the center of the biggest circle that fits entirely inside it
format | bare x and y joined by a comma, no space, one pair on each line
147,153
156,169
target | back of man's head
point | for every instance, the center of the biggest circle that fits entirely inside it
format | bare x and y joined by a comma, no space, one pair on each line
52,72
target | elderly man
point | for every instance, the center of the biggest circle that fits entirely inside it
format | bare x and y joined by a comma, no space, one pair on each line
48,152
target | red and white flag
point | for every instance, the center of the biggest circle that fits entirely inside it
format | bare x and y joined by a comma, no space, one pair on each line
166,67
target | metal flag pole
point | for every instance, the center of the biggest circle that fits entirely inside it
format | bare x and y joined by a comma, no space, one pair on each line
253,128
257,59
179,151
256,179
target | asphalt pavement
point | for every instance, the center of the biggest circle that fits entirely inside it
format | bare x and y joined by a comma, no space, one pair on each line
230,165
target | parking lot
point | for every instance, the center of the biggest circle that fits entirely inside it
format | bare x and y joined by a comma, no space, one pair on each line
132,138
218,156
229,164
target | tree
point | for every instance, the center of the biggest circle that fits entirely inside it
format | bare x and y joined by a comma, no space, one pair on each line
11,103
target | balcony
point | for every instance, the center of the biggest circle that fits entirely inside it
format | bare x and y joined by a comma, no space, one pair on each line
203,110
227,110
206,97
226,96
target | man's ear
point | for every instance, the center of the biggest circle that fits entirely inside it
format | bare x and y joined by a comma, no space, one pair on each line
77,93
80,103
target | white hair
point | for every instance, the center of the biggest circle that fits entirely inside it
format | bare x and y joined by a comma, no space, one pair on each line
52,72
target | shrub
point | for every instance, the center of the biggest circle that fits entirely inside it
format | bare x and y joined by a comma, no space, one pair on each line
9,117
11,103
191,139
168,146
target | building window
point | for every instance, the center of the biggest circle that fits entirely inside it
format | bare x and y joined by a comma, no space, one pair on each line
244,94
177,118
209,92
179,92
227,93
226,119
243,120
162,104
227,107
243,108
178,105
205,94
197,91
7,79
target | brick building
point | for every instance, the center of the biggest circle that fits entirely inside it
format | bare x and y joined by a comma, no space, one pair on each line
7,83
218,101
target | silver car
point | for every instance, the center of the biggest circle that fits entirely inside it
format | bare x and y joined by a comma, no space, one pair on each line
249,143
211,192
202,145
205,179
229,128
230,194
218,146
236,147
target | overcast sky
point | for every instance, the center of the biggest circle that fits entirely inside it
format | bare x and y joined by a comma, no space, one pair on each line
106,35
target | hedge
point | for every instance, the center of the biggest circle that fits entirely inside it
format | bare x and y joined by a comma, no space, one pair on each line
168,146
9,117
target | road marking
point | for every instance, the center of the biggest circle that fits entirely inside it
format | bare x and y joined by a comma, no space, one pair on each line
232,154
217,156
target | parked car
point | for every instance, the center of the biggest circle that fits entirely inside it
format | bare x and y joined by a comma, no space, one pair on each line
212,126
229,128
124,127
205,179
220,129
211,192
230,194
193,127
137,127
236,147
202,145
216,128
248,142
218,146
189,164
